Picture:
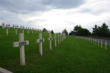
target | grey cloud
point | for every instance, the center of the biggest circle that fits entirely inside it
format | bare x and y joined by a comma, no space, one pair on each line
92,11
20,6
102,9
10,18
64,3
24,6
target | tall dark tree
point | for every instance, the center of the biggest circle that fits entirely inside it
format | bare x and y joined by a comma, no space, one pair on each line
65,32
81,31
45,30
52,32
78,30
95,30
101,31
104,30
72,33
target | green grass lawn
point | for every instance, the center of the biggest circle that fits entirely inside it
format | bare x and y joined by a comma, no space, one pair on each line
73,55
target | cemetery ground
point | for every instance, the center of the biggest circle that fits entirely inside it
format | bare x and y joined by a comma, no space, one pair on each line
73,55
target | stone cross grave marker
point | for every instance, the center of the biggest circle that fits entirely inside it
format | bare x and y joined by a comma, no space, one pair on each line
50,41
22,28
21,44
40,41
16,29
7,27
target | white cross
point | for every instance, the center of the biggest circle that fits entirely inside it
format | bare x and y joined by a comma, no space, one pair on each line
16,30
21,44
40,41
50,41
55,41
22,29
7,27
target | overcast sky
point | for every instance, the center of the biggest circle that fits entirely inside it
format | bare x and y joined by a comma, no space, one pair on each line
55,14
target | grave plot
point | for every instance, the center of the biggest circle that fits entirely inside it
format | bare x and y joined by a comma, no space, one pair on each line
73,55
20,56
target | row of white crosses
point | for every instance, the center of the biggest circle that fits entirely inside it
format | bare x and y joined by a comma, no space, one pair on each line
21,43
41,40
98,42
7,26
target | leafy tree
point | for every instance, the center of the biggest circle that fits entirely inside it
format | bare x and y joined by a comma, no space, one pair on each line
52,32
95,30
104,30
101,31
65,32
72,33
45,30
78,30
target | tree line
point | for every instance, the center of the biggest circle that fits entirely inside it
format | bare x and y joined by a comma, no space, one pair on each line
99,31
